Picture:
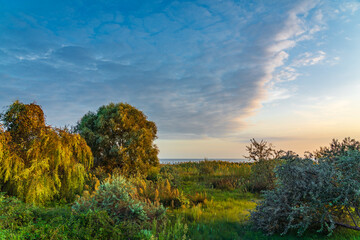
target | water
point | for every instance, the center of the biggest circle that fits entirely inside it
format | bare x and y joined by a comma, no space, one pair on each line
182,160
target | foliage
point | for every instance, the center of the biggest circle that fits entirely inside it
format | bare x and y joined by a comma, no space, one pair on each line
262,151
176,230
153,174
119,199
262,175
337,149
214,168
120,136
39,163
311,194
226,183
224,214
24,221
199,198
265,159
160,192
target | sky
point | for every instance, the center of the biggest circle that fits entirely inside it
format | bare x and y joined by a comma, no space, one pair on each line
210,74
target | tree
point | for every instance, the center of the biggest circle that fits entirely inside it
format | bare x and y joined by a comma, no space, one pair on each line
262,151
120,137
37,162
319,194
265,159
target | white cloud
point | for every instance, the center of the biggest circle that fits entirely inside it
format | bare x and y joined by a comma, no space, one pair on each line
286,74
351,6
184,64
308,58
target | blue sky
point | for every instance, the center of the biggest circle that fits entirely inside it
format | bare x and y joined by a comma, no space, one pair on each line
211,74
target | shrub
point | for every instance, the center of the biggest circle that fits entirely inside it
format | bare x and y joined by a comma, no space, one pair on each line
24,221
120,200
311,194
14,213
263,175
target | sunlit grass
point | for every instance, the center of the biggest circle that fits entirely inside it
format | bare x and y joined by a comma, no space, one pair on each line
229,211
225,214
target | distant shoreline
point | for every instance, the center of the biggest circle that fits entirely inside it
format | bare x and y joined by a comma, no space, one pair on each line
182,160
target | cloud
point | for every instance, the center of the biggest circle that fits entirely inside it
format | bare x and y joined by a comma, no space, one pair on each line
195,68
307,59
352,6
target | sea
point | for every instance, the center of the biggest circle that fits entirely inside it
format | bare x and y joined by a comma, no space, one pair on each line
182,160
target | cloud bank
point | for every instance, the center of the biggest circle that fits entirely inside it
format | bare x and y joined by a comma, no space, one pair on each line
196,68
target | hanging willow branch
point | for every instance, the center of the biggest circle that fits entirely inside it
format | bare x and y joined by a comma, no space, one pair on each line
39,163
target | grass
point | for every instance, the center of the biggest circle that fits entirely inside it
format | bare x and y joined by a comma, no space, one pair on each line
211,213
225,214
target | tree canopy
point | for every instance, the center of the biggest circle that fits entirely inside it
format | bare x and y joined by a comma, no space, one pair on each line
120,137
37,162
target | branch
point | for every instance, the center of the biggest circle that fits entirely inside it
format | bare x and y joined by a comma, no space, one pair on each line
351,216
357,211
347,226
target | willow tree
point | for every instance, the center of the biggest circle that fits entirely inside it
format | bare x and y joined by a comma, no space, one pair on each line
39,163
120,137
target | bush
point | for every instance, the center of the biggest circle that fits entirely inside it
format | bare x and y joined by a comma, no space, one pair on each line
312,194
24,221
120,200
14,213
262,175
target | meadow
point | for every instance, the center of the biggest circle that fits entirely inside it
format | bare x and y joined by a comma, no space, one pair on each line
204,200
102,181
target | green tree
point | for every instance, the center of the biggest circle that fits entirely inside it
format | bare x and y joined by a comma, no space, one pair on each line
37,162
120,137
264,158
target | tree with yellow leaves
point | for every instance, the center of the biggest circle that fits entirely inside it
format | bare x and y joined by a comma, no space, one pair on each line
39,163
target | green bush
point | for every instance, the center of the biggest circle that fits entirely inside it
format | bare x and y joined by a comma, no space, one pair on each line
262,175
14,213
319,194
119,199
